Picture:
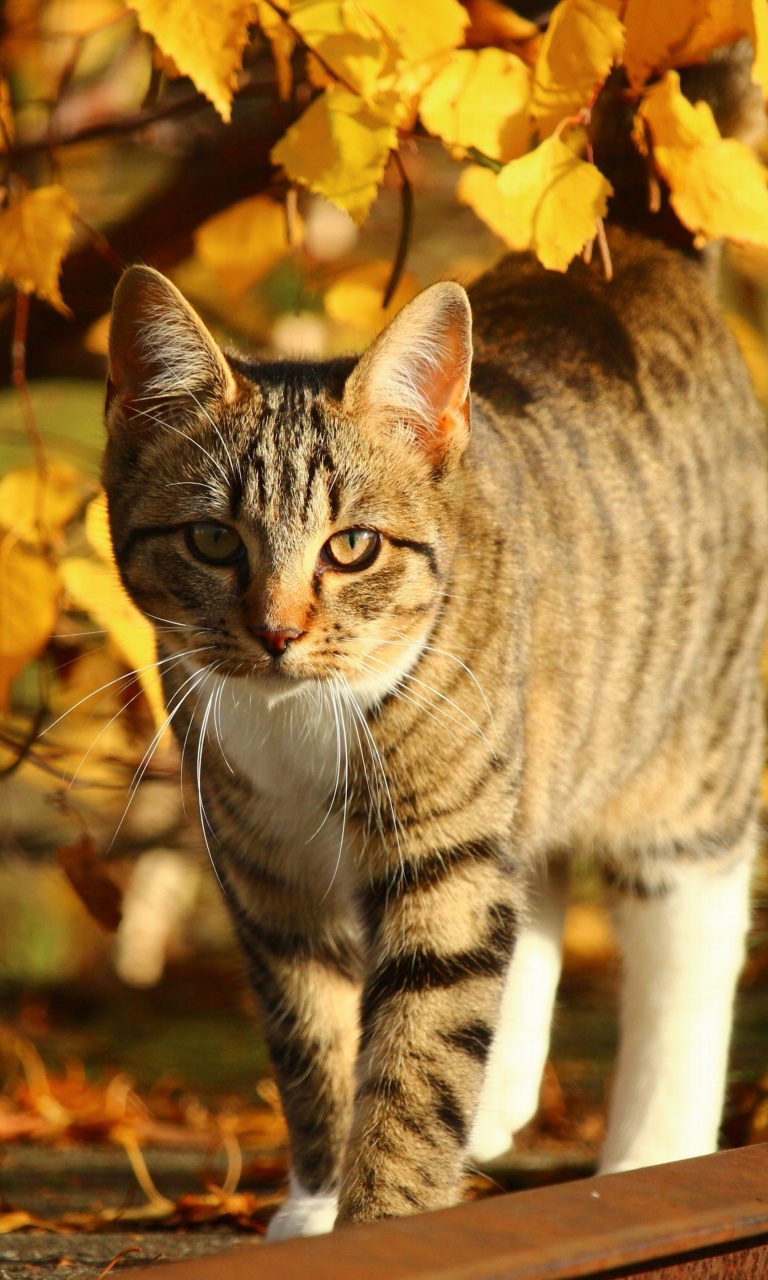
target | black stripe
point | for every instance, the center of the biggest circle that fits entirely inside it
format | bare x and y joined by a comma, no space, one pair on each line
448,1109
421,548
427,970
473,1039
434,868
141,534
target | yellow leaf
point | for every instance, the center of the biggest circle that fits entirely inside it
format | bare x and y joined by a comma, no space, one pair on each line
480,99
338,148
205,39
661,34
717,186
97,528
29,592
354,300
32,507
423,30
242,243
583,41
95,587
34,236
346,40
7,130
558,197
282,41
754,350
760,41
479,189
492,23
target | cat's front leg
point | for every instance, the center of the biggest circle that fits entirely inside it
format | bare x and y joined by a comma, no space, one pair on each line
306,979
442,932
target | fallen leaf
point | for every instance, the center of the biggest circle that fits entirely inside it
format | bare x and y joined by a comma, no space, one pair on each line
717,185
338,148
85,869
34,236
582,42
481,99
205,39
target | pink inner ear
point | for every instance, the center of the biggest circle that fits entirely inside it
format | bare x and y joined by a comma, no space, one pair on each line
417,371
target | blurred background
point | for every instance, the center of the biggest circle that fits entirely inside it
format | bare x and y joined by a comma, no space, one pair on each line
116,957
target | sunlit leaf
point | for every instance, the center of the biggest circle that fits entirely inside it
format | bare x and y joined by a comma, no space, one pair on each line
7,129
244,241
355,298
423,30
480,99
717,185
34,236
347,41
339,149
33,506
29,594
478,187
205,39
95,587
662,35
558,197
282,41
583,41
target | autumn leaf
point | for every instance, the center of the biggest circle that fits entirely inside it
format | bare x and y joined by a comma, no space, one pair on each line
86,872
480,99
661,35
282,41
347,41
34,506
95,587
421,31
583,41
34,236
478,187
339,149
29,594
558,198
717,185
492,23
243,242
354,299
205,39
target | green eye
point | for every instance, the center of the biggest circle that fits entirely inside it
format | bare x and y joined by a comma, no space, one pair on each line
352,549
213,542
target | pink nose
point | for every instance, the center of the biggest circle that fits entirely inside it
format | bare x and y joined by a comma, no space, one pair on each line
277,641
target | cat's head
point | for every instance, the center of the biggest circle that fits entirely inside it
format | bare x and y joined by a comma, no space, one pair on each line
286,521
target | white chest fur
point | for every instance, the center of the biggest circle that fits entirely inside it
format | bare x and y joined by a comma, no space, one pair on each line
294,751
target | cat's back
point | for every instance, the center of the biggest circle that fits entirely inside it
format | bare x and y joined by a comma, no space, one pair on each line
626,408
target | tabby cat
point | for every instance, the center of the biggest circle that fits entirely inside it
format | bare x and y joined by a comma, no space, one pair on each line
416,668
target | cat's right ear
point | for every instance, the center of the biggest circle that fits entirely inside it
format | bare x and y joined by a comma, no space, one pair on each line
415,376
159,348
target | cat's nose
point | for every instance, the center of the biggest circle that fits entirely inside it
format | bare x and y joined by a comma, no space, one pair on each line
277,641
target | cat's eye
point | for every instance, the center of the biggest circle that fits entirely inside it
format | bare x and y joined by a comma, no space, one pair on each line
352,549
213,542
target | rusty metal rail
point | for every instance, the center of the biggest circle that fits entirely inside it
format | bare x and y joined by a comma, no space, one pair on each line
704,1219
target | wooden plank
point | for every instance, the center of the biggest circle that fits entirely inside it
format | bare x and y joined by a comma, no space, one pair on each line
595,1227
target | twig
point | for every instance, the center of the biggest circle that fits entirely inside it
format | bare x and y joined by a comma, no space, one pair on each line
133,1248
404,241
19,368
190,102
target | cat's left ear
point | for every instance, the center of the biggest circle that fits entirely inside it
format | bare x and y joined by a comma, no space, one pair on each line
159,348
417,371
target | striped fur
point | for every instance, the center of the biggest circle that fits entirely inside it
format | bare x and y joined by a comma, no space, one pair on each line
556,651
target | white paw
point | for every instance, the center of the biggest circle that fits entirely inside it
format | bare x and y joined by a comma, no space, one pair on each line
489,1139
303,1215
